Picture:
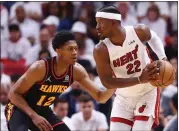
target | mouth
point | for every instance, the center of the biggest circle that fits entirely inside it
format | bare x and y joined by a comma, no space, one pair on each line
99,33
74,58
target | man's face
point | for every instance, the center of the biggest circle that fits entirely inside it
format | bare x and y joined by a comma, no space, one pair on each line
103,27
20,13
69,51
14,35
44,38
61,109
86,108
79,36
152,15
52,30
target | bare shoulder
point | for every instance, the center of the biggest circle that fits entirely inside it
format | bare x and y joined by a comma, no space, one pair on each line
100,51
37,70
38,66
100,47
79,72
143,32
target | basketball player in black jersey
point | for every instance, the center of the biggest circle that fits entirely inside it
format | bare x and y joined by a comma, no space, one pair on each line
43,82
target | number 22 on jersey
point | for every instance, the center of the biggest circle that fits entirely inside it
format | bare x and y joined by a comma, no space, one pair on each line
44,101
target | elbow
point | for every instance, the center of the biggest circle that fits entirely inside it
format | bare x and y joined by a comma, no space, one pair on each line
106,84
11,96
101,99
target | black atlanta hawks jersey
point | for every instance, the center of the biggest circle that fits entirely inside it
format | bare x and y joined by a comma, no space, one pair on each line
44,93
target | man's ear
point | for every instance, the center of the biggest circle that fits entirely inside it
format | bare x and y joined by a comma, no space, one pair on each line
58,51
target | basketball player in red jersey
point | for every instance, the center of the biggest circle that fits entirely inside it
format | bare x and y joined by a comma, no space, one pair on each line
43,82
122,61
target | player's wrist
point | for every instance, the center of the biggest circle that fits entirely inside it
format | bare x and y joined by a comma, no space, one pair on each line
32,115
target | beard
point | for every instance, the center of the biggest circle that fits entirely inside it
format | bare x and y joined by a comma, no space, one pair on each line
102,37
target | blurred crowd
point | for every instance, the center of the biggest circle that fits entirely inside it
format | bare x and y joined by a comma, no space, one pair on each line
27,29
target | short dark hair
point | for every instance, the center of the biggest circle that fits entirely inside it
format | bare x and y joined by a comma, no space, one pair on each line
109,9
14,27
62,37
60,100
85,98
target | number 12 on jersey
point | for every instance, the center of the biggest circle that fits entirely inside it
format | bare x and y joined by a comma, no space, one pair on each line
45,101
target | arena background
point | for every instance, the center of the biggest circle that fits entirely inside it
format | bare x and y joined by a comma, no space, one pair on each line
27,29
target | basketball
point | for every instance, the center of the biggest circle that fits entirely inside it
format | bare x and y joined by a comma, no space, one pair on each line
166,73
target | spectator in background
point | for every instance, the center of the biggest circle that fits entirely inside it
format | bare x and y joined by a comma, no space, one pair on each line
16,47
106,107
51,23
174,62
29,28
12,14
3,24
34,10
53,8
127,18
143,6
45,44
72,96
44,53
87,15
155,22
3,101
85,44
66,15
174,16
5,79
88,118
61,110
172,125
171,49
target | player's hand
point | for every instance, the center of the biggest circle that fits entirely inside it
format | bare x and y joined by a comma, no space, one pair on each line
42,123
149,72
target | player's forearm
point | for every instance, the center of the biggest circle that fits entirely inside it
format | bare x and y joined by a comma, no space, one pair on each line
105,95
20,102
113,83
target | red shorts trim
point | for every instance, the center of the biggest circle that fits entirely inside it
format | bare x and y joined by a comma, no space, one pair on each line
122,120
58,124
141,118
157,109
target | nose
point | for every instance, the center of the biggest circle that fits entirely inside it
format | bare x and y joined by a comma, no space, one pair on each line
74,52
97,27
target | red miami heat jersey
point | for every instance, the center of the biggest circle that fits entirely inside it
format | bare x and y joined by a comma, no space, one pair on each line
128,61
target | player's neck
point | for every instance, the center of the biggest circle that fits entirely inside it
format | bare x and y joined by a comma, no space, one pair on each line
60,66
118,36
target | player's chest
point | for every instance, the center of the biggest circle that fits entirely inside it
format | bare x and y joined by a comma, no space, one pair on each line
123,55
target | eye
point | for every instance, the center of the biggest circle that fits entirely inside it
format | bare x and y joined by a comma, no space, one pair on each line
76,48
70,49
